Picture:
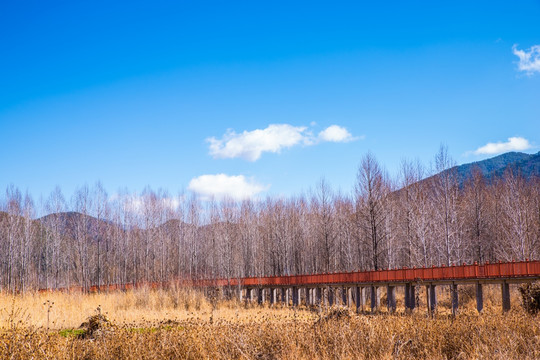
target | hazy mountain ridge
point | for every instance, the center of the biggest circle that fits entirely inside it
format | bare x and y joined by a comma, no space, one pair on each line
527,165
67,222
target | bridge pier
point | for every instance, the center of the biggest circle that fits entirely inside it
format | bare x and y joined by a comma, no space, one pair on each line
432,299
240,295
391,298
318,296
358,299
406,296
505,289
410,297
479,297
288,296
413,296
330,296
455,300
272,296
260,296
375,300
344,296
295,297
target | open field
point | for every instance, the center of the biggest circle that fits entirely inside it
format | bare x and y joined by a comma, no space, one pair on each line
185,324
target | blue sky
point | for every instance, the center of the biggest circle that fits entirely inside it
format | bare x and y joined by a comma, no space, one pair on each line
256,99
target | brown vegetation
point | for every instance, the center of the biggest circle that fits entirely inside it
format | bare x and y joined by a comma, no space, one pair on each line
530,294
164,324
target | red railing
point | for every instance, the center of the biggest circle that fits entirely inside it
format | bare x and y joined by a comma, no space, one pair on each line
509,270
522,269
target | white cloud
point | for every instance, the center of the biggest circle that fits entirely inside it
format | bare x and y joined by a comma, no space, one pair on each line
336,133
250,145
529,61
221,185
513,144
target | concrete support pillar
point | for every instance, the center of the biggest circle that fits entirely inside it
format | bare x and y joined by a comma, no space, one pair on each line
412,300
407,296
358,298
240,294
391,298
318,296
410,296
366,296
288,296
374,298
479,297
454,296
330,296
344,296
260,296
505,287
253,295
295,297
349,296
432,298
272,296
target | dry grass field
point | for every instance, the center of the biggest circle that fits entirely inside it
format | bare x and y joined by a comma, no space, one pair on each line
163,324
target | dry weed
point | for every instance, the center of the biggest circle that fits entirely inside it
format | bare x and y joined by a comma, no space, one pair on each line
167,328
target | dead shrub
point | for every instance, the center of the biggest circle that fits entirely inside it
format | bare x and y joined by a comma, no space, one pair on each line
333,314
530,296
94,326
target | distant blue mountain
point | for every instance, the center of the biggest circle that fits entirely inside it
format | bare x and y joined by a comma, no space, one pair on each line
528,165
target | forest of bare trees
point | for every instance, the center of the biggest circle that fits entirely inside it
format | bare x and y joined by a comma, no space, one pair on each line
93,238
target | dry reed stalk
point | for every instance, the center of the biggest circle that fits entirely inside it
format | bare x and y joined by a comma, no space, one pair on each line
164,324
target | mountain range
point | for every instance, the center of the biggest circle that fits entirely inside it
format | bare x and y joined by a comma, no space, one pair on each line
527,165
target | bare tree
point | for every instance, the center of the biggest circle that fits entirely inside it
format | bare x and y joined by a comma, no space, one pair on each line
445,187
474,213
324,210
371,196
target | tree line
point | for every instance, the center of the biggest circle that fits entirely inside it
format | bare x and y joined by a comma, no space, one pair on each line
412,220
